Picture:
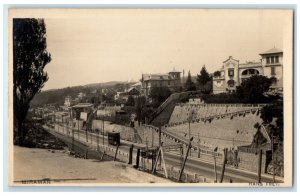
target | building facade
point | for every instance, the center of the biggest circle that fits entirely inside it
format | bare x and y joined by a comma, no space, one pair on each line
233,73
172,80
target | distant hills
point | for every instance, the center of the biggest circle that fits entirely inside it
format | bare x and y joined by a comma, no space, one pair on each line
57,96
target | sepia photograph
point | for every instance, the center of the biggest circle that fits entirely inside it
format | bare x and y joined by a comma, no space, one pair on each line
150,97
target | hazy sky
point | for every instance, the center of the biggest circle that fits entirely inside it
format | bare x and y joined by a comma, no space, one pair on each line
107,45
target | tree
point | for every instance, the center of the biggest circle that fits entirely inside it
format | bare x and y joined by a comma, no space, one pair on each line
204,76
130,101
30,57
205,81
252,89
159,95
271,112
217,73
189,84
140,103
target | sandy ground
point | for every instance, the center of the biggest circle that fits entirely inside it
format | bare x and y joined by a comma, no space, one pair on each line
37,164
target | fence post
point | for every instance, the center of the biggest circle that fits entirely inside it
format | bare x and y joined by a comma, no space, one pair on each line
116,153
259,166
137,158
223,165
130,154
186,155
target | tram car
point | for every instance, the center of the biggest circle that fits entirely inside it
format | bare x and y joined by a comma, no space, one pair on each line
114,138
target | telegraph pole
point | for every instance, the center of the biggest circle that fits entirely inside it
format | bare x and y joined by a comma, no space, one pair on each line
272,146
259,166
78,129
198,146
103,130
152,137
215,168
184,161
62,122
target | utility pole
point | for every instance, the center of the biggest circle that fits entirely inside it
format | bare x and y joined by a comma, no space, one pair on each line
186,155
73,137
103,130
78,129
259,166
191,115
198,146
160,143
223,165
159,136
152,137
98,138
92,131
273,161
62,122
215,167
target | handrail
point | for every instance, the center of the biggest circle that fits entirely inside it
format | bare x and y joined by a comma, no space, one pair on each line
181,140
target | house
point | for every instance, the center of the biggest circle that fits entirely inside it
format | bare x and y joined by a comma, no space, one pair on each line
171,80
233,73
123,96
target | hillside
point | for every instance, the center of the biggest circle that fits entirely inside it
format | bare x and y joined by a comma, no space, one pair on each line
57,96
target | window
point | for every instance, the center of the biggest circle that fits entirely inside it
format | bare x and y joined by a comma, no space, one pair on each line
230,83
276,59
169,82
268,60
272,59
231,72
273,72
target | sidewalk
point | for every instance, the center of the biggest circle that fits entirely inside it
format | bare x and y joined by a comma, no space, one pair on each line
38,164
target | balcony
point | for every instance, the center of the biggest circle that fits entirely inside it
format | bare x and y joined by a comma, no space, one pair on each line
218,77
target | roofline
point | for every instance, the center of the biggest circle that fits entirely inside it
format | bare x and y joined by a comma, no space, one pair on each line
230,58
270,53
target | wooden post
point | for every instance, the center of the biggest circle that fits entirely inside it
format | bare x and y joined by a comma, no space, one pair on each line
102,155
198,146
92,131
86,132
137,158
73,138
163,159
98,138
259,166
160,143
130,154
223,165
152,163
62,122
103,130
215,168
273,160
152,137
156,160
78,129
186,155
159,136
57,124
86,154
116,153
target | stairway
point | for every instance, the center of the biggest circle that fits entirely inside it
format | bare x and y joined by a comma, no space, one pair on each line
163,113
